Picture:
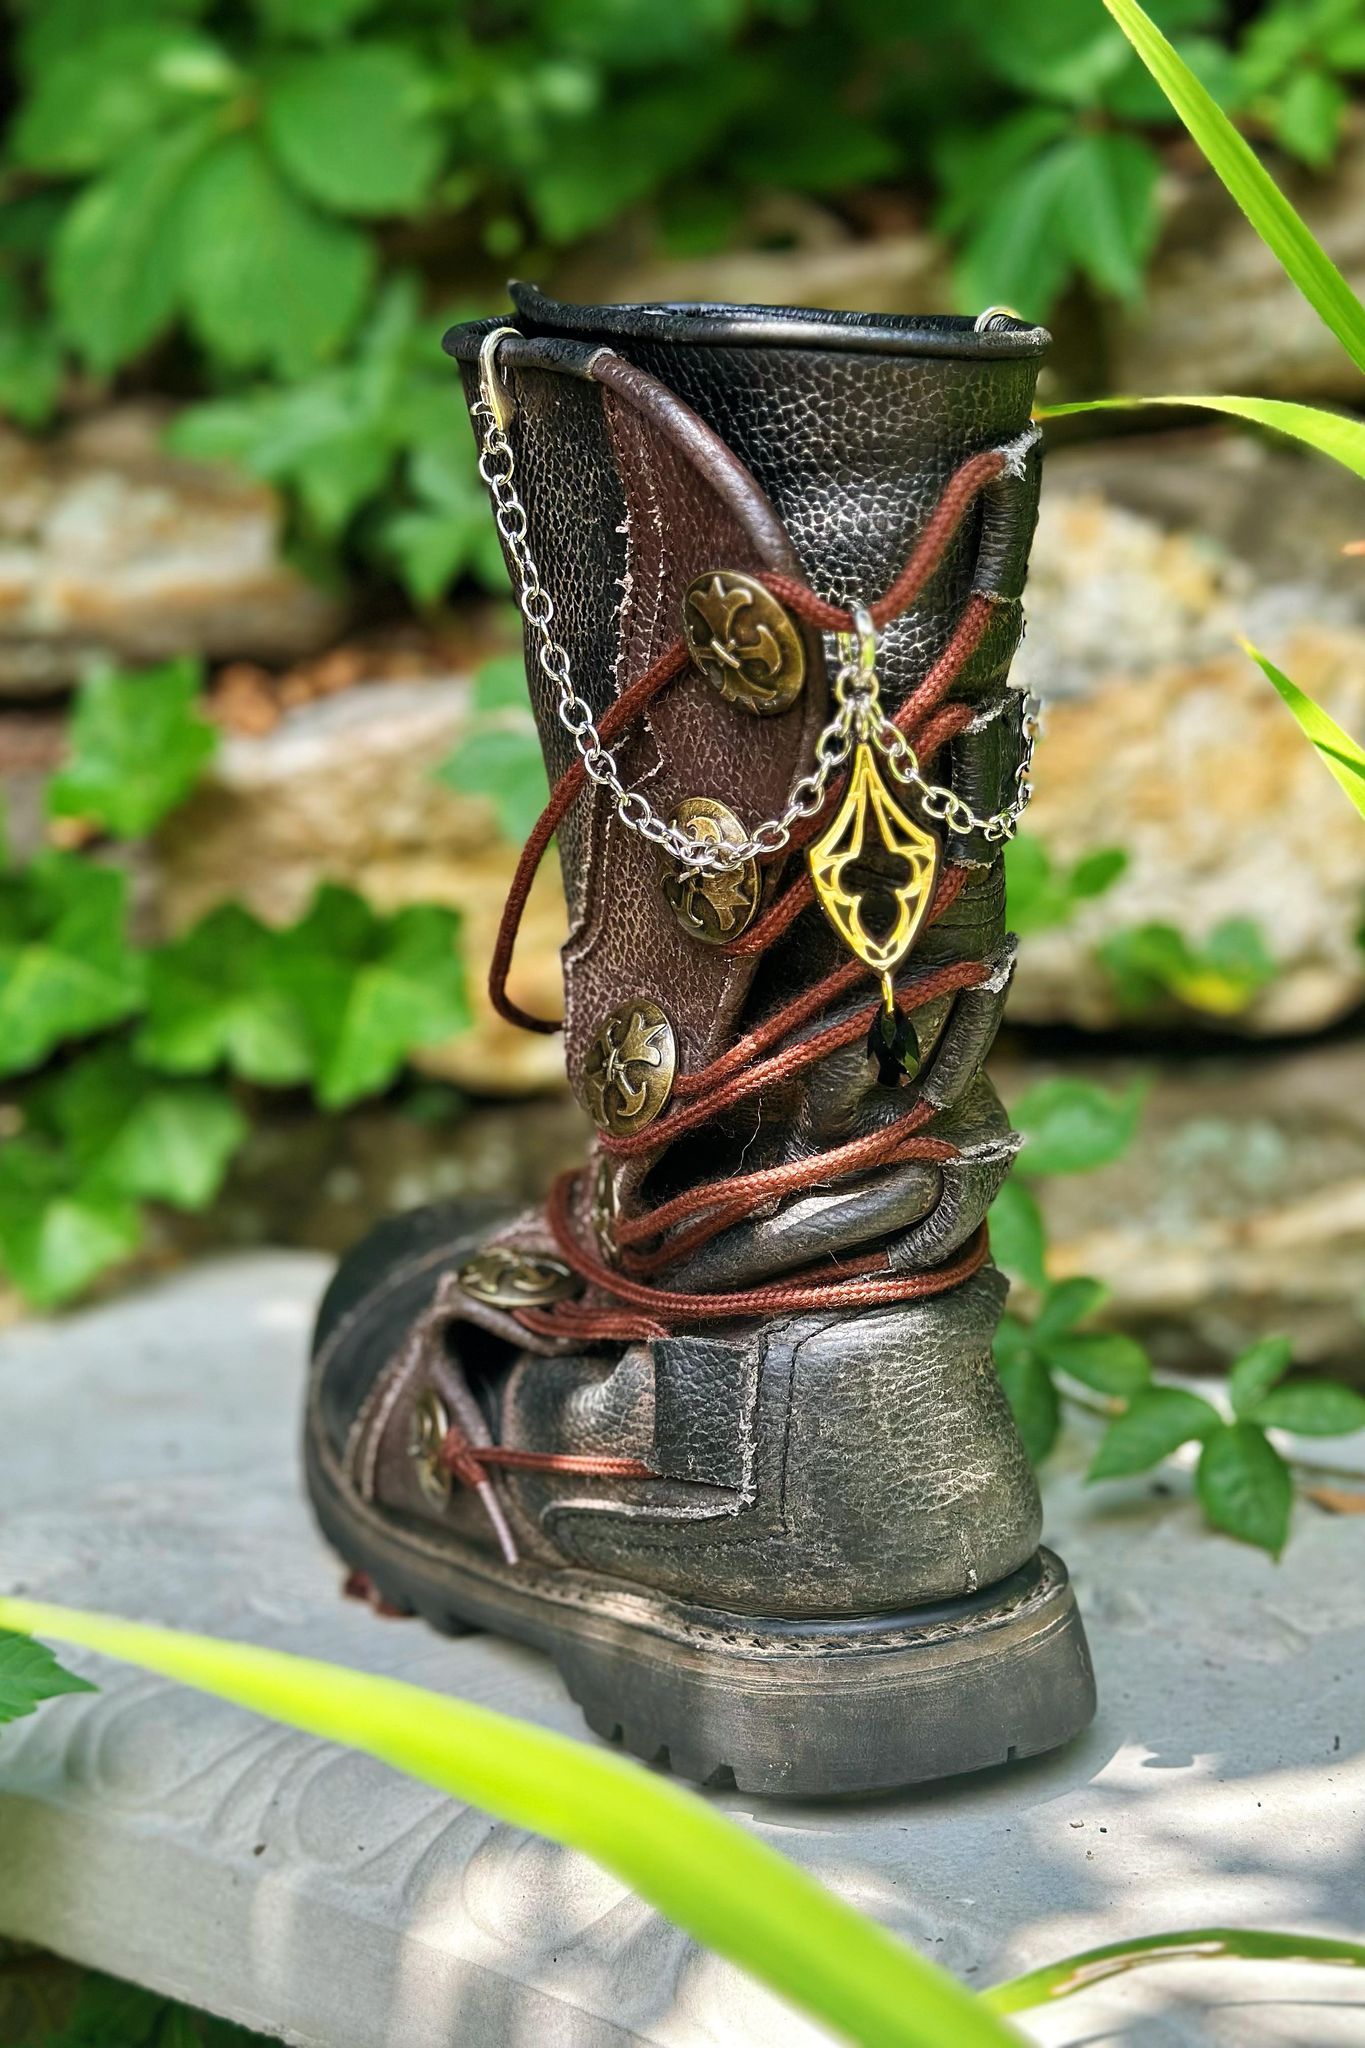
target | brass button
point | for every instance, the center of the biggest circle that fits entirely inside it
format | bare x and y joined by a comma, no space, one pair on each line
630,1067
712,905
506,1278
744,642
430,1424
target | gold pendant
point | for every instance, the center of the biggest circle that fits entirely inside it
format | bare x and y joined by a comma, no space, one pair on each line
874,872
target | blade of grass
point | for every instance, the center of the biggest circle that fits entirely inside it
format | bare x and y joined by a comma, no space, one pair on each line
1343,755
1191,1944
1250,184
1331,433
708,1876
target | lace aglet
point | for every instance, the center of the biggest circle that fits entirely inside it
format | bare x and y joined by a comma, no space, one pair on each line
492,1507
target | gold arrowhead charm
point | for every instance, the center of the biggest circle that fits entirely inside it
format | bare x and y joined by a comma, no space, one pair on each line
874,872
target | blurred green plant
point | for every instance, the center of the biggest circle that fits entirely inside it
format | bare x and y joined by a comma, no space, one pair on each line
501,758
1042,894
205,194
108,2014
1053,1353
137,1053
1219,976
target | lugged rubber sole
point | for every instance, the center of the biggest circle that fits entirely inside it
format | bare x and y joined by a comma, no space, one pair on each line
771,1706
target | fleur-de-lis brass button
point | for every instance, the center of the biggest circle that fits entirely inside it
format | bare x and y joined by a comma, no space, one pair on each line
712,905
628,1075
744,642
430,1423
506,1278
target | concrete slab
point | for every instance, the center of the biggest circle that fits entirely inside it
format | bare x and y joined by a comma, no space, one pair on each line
152,1469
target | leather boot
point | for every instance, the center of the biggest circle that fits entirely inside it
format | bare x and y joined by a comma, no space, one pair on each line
719,1427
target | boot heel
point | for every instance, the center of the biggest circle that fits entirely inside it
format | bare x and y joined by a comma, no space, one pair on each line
811,1709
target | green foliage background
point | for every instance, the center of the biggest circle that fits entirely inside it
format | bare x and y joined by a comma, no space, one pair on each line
273,203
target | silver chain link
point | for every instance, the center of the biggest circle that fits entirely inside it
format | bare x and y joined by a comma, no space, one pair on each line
857,712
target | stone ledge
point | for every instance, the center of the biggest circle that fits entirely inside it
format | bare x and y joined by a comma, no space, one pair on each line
320,1897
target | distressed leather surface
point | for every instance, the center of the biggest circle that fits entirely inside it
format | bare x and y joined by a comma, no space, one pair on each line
851,1461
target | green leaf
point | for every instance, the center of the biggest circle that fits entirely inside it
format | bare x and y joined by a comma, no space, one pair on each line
1245,1486
371,989
58,1231
1345,758
65,965
103,93
1102,1359
1331,433
137,745
1067,1304
1033,1399
1092,1966
504,763
1095,873
1020,253
117,266
1308,116
351,125
1108,209
313,20
1310,1407
1218,977
267,279
1075,1126
30,1674
1257,1370
713,1878
213,999
31,364
142,1134
1254,190
1157,1421
1018,1240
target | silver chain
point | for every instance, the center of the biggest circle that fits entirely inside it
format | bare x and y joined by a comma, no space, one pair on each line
857,713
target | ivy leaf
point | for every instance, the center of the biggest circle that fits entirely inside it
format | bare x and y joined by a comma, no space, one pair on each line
213,1000
1018,253
1102,1359
1108,212
1257,1370
267,279
30,1674
65,965
1245,1486
1033,1398
142,1134
58,1230
138,743
1067,1304
1097,872
31,365
102,93
1312,1407
1308,114
1018,1241
1075,1126
505,764
1157,1421
351,125
370,989
116,273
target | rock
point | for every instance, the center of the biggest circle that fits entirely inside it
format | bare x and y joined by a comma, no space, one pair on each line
1162,737
1237,1213
111,547
342,789
1219,313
